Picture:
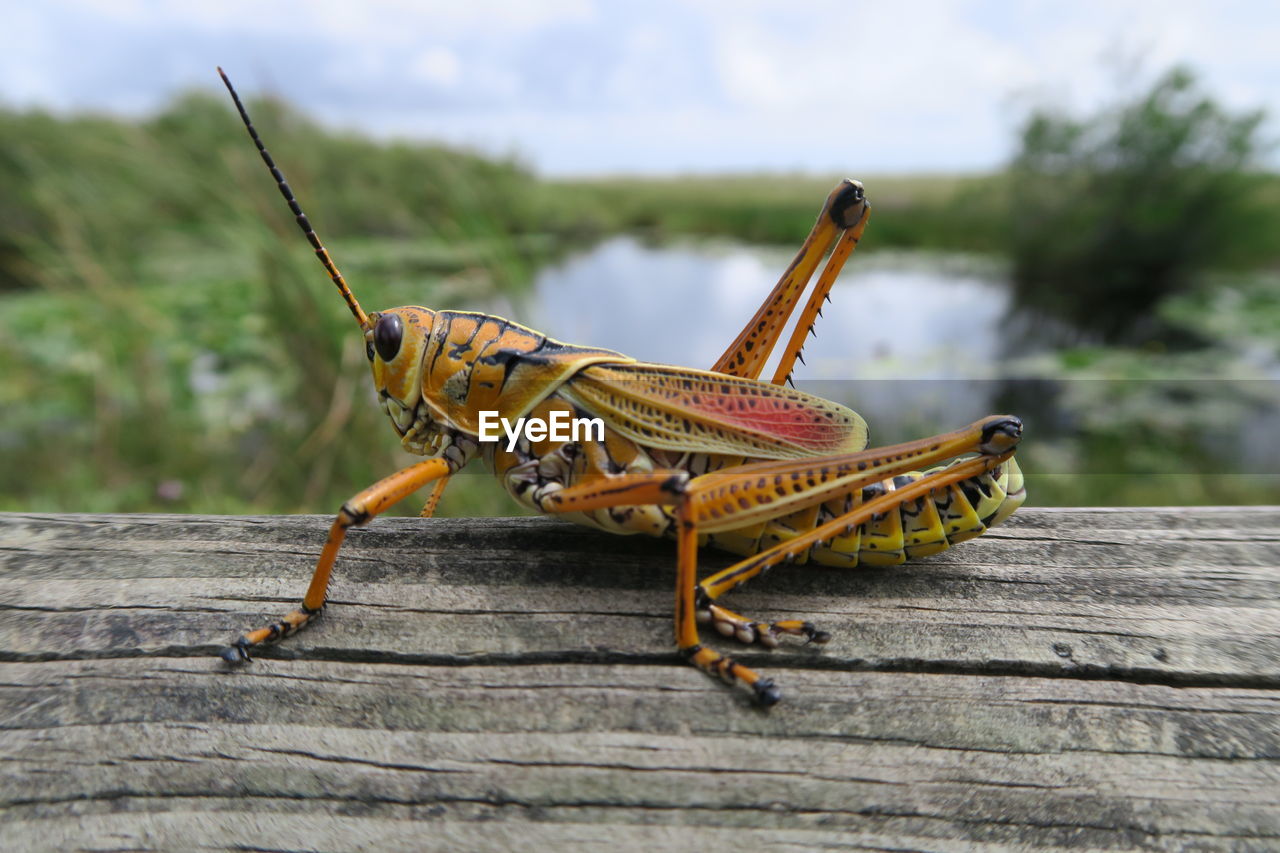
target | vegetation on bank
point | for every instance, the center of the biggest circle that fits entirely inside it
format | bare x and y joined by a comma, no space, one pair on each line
966,213
167,341
1130,207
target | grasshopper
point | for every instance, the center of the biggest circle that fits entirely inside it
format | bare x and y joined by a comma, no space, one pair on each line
717,458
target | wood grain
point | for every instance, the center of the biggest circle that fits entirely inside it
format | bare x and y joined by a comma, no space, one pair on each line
1075,679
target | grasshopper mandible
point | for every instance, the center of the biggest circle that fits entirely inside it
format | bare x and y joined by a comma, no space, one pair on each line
713,457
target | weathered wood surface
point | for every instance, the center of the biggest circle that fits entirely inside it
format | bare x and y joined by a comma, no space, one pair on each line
1077,678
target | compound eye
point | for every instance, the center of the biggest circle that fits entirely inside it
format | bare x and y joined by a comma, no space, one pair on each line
387,336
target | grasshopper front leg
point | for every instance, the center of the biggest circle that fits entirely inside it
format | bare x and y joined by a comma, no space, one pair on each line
433,499
359,510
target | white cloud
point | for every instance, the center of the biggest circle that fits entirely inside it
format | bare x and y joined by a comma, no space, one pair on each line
438,66
582,85
381,20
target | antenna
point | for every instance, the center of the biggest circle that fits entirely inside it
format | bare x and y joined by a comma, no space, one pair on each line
303,222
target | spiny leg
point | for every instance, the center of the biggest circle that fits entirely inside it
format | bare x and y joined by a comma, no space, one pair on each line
729,499
666,488
707,660
738,497
767,693
761,490
433,499
845,208
359,510
813,308
768,633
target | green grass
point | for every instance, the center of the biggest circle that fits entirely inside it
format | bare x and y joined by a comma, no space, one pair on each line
947,212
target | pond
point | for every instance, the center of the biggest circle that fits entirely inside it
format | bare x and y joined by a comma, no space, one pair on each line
918,343
905,338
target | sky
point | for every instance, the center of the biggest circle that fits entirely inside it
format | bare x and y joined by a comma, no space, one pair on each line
591,87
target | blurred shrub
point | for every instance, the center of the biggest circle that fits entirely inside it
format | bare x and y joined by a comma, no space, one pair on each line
1115,211
118,190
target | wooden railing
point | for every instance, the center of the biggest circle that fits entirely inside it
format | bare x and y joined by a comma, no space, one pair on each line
1075,678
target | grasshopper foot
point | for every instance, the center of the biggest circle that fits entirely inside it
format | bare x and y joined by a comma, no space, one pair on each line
767,634
237,653
767,693
731,672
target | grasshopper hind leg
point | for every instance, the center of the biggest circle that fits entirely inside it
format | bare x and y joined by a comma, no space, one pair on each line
737,497
913,529
750,632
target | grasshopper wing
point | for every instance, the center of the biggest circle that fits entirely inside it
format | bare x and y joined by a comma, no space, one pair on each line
682,409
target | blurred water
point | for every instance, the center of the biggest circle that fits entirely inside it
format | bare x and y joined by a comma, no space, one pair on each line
915,342
906,339
891,316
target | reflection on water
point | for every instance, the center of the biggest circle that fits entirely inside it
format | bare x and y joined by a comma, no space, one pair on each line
891,317
922,343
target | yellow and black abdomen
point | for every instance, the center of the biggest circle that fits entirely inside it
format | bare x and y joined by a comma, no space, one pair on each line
918,528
